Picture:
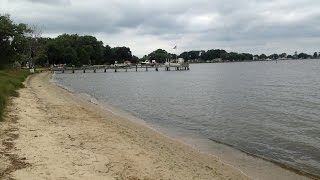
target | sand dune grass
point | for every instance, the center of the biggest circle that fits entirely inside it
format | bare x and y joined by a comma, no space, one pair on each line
10,81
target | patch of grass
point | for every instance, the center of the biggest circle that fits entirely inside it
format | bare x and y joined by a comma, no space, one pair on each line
10,81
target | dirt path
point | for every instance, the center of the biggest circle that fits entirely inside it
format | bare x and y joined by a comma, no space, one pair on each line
50,134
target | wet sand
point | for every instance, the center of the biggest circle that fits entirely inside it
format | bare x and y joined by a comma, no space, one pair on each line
52,134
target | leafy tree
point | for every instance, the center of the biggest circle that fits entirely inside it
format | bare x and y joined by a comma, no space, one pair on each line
246,57
160,55
263,56
184,55
290,57
145,57
303,56
135,59
108,55
121,54
191,55
212,54
315,55
13,42
283,55
42,59
274,56
75,50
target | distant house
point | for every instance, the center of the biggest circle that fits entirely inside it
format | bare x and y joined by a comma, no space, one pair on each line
217,60
127,62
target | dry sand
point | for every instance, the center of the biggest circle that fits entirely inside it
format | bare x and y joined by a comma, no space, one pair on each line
51,134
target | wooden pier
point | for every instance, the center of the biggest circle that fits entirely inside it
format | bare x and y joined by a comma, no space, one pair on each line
115,68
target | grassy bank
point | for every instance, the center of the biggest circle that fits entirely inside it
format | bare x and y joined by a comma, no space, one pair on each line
10,81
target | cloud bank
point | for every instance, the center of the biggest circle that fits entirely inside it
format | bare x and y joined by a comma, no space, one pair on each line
254,26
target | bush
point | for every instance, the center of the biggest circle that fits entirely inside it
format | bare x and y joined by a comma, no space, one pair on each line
10,81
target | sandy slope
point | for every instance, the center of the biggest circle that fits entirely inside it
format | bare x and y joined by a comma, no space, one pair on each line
51,134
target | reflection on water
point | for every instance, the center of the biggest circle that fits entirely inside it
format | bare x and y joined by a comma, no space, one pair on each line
265,108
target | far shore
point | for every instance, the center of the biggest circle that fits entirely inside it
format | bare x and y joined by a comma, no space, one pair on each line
49,133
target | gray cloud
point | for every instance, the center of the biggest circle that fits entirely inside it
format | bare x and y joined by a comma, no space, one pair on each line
49,2
254,26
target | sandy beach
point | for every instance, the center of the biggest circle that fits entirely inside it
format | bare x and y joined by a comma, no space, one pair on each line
52,134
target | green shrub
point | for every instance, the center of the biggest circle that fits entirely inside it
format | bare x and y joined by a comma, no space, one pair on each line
10,81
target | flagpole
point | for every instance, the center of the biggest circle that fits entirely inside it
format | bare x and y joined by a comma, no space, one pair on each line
176,54
175,48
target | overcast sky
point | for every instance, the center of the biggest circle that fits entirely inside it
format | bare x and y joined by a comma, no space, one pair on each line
253,26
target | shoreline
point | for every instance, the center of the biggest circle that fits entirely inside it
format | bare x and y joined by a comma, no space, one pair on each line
281,165
172,136
63,136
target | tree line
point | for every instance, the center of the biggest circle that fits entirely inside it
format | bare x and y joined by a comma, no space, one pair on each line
24,44
220,55
83,50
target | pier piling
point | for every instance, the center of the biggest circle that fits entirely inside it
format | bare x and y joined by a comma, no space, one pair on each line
125,68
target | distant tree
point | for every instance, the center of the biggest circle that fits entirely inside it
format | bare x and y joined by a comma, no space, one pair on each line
108,55
172,56
145,57
41,56
283,55
290,57
184,55
191,55
92,46
83,56
121,54
263,56
246,57
274,56
34,45
41,59
303,56
295,56
315,55
134,59
160,55
213,54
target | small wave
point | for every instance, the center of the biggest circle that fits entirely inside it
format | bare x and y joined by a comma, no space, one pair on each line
65,87
283,165
54,81
87,97
105,106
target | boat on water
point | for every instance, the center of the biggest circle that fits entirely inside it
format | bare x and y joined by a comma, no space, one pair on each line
148,62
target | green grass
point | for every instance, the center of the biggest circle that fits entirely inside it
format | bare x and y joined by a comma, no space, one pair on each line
10,81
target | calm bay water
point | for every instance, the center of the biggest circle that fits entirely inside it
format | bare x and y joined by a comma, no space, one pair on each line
267,109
